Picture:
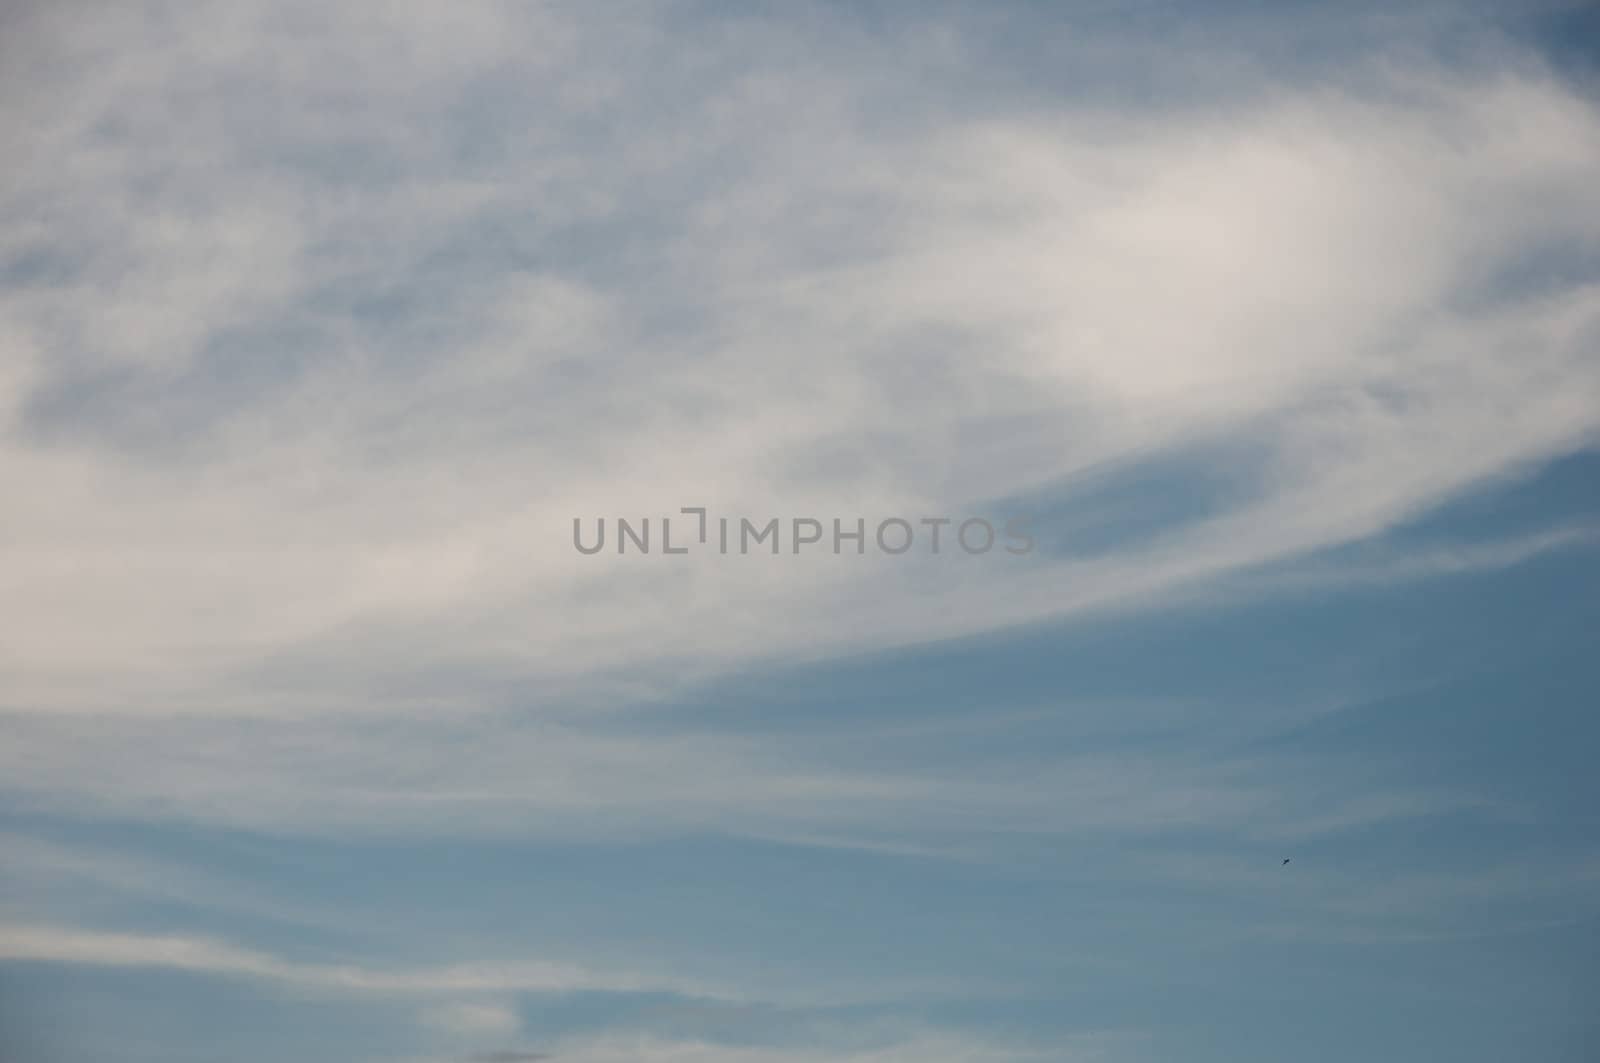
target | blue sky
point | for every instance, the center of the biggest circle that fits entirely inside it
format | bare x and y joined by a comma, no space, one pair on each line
320,325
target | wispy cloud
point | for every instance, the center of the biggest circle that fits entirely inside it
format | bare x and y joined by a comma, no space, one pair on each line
319,326
479,1020
507,776
209,957
935,1047
965,311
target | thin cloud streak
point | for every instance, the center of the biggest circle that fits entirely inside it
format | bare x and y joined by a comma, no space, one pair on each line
44,944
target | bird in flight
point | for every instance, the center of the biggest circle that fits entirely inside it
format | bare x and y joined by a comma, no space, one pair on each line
1285,861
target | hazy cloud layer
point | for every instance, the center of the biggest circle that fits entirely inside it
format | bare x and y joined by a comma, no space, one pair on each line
320,333
319,327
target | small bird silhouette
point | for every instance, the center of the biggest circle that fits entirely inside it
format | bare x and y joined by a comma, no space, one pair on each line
1285,861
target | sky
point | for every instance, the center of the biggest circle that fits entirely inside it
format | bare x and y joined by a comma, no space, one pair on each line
1274,331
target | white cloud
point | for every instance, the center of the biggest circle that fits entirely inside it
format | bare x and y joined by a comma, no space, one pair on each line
319,326
475,1019
934,1047
291,399
55,944
921,1046
504,776
322,326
